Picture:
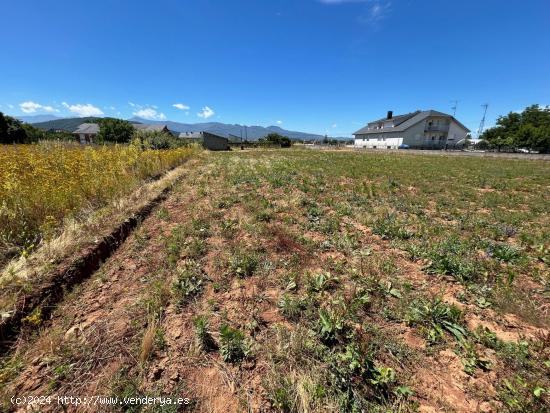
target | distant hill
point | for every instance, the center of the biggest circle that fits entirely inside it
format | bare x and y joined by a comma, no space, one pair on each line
37,118
68,124
228,130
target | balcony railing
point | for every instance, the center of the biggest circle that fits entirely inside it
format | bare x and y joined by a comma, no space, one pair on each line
436,128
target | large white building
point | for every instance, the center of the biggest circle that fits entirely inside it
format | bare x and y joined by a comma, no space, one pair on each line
427,129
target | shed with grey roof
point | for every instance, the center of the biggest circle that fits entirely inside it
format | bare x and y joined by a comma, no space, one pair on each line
151,127
87,132
209,140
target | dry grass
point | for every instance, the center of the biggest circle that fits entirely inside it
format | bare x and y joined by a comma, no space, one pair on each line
22,272
42,185
148,341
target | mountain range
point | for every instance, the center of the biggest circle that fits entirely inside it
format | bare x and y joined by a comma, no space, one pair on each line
229,130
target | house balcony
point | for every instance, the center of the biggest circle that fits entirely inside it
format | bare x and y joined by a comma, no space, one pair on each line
436,128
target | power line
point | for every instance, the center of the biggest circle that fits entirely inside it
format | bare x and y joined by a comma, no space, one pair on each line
482,123
454,107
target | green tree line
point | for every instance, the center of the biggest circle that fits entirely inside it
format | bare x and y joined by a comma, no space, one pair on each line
110,131
14,131
529,129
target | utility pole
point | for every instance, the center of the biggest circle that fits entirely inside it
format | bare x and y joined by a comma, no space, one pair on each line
455,105
482,123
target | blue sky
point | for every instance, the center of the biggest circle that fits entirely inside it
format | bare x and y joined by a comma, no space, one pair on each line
325,66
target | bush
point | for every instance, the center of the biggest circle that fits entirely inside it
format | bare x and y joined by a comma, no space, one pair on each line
114,130
157,139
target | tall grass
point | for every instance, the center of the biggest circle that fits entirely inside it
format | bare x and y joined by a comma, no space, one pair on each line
41,185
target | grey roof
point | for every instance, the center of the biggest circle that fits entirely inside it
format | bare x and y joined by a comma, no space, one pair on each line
217,134
191,135
88,128
147,127
406,121
398,119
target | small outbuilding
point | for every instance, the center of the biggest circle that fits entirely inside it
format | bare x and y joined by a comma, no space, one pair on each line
87,132
209,140
151,128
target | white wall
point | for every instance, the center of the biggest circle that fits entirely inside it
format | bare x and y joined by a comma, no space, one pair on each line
414,136
368,141
456,133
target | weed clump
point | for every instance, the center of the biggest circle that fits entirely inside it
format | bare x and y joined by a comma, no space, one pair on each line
388,227
436,317
205,340
233,344
189,282
243,264
454,257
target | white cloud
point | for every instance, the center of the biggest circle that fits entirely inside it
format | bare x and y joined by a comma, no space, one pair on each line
376,12
132,104
279,122
205,113
10,106
83,110
32,107
149,114
181,106
334,125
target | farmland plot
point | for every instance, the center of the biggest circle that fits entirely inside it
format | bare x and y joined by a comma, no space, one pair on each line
301,281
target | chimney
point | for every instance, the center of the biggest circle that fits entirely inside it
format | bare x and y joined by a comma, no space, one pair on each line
390,114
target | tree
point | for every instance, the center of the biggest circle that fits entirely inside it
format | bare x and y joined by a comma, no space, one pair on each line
3,127
482,145
115,130
14,131
528,129
277,139
33,134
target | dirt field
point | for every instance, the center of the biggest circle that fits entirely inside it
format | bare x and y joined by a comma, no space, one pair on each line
305,281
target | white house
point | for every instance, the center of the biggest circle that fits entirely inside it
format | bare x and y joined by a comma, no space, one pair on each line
427,129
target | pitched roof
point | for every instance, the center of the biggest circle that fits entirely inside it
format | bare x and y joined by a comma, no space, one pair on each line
155,127
217,134
190,135
406,121
399,119
88,128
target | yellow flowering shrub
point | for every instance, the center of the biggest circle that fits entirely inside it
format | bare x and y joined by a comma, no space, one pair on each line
40,185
